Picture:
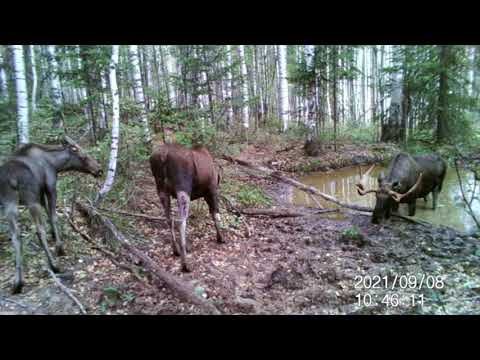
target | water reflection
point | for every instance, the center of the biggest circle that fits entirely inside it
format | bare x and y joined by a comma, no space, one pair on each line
341,183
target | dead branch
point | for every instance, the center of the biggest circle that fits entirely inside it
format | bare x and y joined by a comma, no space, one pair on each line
66,290
413,221
282,213
177,285
142,216
308,189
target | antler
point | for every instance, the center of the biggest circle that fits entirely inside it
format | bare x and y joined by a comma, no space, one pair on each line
361,184
398,197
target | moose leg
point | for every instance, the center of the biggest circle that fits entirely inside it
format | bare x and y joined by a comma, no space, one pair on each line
411,208
11,213
35,211
165,200
212,201
183,200
395,207
434,197
51,196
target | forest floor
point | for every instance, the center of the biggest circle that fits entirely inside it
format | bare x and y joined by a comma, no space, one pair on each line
303,265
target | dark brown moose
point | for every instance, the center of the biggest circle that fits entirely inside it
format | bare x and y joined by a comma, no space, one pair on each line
185,174
408,178
29,178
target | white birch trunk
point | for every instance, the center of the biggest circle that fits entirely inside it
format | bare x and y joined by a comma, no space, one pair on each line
170,69
309,53
228,88
22,97
112,164
56,90
102,124
284,99
139,96
241,54
34,78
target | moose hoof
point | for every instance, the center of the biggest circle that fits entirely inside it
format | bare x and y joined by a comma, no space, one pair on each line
176,253
60,251
220,240
17,287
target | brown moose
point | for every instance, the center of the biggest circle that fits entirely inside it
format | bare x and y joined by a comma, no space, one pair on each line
185,174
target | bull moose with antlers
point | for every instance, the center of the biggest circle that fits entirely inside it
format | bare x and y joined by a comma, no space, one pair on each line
408,178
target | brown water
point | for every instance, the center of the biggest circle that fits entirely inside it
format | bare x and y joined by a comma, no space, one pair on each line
341,184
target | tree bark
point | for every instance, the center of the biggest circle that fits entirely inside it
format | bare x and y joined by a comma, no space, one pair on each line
34,78
442,112
245,108
112,164
284,101
138,89
21,91
56,92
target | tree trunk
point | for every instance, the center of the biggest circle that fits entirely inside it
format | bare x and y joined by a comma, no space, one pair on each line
442,112
284,100
56,92
334,70
22,97
138,89
34,78
245,109
112,164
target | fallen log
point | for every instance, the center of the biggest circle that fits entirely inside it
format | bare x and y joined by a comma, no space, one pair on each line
308,189
282,213
178,286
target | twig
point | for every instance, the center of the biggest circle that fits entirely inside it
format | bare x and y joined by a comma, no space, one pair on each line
66,291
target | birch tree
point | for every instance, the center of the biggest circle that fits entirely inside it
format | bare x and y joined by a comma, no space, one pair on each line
112,164
228,87
284,103
21,92
34,78
138,90
55,89
243,66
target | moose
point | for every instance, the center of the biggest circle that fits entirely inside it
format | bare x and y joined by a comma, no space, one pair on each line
408,178
185,174
29,178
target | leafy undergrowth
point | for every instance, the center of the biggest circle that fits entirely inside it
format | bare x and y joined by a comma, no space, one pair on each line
306,265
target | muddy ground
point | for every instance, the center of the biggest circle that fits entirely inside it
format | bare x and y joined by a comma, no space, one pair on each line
304,265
